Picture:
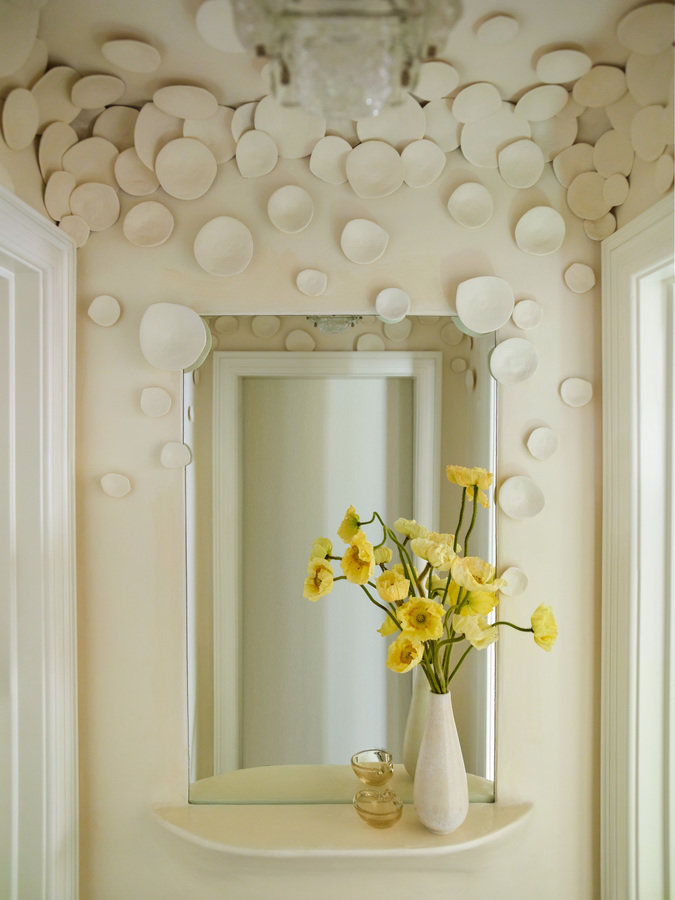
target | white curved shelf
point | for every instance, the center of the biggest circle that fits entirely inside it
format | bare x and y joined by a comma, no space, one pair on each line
332,830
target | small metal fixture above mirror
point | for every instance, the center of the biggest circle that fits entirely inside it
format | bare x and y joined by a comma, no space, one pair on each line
344,59
333,324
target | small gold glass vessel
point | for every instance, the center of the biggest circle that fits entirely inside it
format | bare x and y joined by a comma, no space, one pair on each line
380,809
373,767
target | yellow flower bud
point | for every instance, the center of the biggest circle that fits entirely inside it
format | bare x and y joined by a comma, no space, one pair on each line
544,626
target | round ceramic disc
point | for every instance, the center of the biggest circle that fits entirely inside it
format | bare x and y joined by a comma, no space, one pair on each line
437,79
572,162
497,30
76,228
293,130
542,442
521,164
104,310
18,32
423,161
369,342
299,340
441,126
185,168
172,336
392,305
363,241
20,119
613,152
554,135
95,91
562,66
148,224
398,331
374,169
484,303
290,209
132,176
155,402
513,360
396,126
216,26
52,92
242,119
471,205
152,131
175,455
256,154
516,582
92,159
585,196
312,282
470,379
223,246
477,101
600,86
620,114
215,132
134,56
97,204
647,29
663,173
226,324
599,229
55,140
542,102
116,124
458,365
329,159
520,498
185,101
265,326
57,194
579,278
616,189
540,231
576,391
650,78
481,141
451,335
646,133
527,314
115,485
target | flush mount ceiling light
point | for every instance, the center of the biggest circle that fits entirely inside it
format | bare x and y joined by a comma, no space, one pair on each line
344,59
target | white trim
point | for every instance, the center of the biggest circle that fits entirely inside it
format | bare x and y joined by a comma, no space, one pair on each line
35,244
629,258
424,367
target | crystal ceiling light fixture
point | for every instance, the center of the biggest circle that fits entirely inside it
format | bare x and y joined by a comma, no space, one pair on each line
344,59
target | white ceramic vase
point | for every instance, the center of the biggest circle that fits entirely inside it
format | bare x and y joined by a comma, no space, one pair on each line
417,717
440,792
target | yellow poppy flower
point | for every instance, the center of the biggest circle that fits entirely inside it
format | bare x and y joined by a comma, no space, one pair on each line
319,581
382,555
544,626
404,653
476,630
387,627
474,603
473,479
436,548
321,548
421,619
410,528
474,573
349,525
358,562
392,586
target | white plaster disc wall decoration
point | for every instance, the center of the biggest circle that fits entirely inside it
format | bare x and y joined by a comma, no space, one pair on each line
148,224
437,79
33,68
471,205
256,154
76,228
223,246
116,124
497,30
540,231
440,125
290,209
57,194
52,92
56,139
646,133
185,168
226,324
477,101
554,135
542,102
152,131
396,126
585,196
470,379
647,29
576,391
175,455
562,66
242,119
18,32
115,485
613,152
299,340
97,204
599,229
572,162
132,176
134,56
215,132
513,360
620,114
520,498
104,310
95,91
527,314
155,402
542,442
294,131
458,365
521,164
516,582
363,241
484,303
451,335
398,331
185,101
579,278
592,124
423,161
663,173
374,169
329,158
20,118
392,305
650,78
600,86
615,189
92,159
311,282
216,26
172,336
480,141
265,326
370,342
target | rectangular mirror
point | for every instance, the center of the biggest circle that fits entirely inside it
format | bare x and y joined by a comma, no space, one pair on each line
282,691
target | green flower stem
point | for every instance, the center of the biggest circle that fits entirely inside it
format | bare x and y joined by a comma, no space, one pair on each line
459,523
406,561
461,660
517,627
473,520
430,670
381,606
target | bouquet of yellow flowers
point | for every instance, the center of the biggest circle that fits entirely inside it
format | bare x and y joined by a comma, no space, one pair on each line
437,610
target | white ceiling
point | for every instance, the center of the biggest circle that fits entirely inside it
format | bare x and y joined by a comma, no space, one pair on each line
75,29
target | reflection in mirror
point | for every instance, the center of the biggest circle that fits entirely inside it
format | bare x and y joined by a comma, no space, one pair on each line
282,691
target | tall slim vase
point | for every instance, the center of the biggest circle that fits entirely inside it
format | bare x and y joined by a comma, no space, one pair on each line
440,791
